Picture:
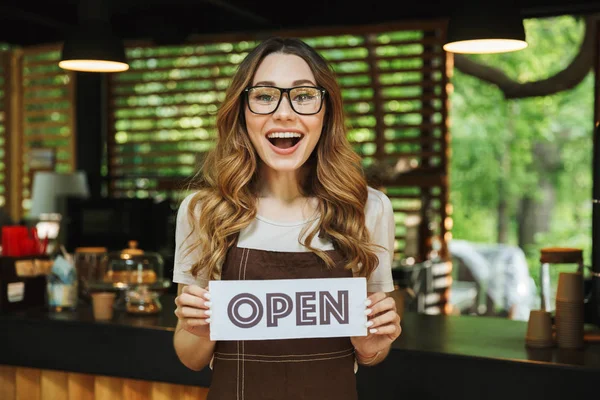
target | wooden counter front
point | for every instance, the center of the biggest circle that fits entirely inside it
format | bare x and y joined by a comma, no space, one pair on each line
70,356
35,384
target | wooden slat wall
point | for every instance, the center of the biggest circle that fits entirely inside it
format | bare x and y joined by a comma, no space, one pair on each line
4,81
48,111
162,116
18,383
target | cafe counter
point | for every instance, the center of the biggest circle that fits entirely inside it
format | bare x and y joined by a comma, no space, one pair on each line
70,355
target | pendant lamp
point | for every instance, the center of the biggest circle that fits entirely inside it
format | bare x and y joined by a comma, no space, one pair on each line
484,27
92,46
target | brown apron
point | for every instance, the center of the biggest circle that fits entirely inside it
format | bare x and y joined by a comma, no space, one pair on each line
287,369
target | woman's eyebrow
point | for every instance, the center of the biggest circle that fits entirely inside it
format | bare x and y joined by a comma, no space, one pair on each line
303,81
295,83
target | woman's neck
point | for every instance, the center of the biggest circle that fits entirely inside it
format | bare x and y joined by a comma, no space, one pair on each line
283,186
280,197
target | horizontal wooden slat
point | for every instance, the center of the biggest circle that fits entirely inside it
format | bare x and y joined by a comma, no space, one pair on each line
158,153
43,137
422,97
41,75
40,63
27,102
134,132
182,54
185,68
116,96
412,126
163,141
423,70
423,84
48,113
154,164
417,56
43,124
121,80
428,41
165,92
36,88
163,106
178,115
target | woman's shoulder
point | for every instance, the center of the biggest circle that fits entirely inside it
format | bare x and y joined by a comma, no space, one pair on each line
187,200
378,203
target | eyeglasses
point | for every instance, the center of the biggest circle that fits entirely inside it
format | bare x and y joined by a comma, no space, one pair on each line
304,100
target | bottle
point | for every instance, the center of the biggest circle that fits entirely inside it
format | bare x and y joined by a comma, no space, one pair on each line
62,285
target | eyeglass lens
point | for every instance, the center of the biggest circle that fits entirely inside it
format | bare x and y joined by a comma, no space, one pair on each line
304,100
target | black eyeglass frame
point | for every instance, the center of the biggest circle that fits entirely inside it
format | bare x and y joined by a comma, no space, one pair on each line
282,91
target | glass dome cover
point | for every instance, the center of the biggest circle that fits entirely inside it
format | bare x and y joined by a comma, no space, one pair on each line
132,267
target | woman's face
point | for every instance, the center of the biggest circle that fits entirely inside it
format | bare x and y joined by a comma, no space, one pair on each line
268,132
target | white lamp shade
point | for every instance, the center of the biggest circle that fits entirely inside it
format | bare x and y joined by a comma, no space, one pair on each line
49,187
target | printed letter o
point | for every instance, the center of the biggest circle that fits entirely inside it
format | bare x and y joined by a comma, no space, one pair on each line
236,318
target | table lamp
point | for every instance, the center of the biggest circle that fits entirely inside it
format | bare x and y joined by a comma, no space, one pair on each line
48,205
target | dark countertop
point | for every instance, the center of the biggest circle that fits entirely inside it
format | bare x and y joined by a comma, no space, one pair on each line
474,357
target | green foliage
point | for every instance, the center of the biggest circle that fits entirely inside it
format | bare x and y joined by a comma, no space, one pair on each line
495,143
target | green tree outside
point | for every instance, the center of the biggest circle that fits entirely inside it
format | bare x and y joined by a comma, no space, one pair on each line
532,154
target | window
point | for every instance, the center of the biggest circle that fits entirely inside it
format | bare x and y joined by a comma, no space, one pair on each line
48,116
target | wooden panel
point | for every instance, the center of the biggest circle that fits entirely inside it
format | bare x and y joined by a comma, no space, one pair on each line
195,393
81,386
8,382
28,384
32,384
4,145
14,120
134,389
166,391
107,388
54,385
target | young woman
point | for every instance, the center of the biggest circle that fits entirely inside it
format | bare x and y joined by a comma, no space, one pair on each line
283,196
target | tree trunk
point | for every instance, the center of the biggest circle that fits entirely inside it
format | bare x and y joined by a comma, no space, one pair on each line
504,165
535,214
502,215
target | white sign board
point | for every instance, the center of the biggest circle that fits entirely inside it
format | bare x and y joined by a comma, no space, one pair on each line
288,308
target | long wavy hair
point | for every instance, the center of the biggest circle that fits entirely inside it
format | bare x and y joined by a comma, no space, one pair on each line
226,197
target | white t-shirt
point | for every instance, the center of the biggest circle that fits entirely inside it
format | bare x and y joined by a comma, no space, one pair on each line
264,234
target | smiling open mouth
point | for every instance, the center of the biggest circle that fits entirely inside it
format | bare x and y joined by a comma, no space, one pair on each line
284,140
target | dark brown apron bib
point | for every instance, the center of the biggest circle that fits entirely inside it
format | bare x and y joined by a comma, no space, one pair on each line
287,369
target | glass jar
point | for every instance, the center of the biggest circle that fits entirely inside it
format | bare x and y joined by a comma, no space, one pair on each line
90,263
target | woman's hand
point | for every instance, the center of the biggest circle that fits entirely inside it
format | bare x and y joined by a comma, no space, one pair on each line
193,310
383,327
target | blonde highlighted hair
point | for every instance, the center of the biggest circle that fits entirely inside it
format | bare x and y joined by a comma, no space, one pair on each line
225,201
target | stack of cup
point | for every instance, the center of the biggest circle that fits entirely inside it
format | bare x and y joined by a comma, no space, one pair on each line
539,329
569,310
